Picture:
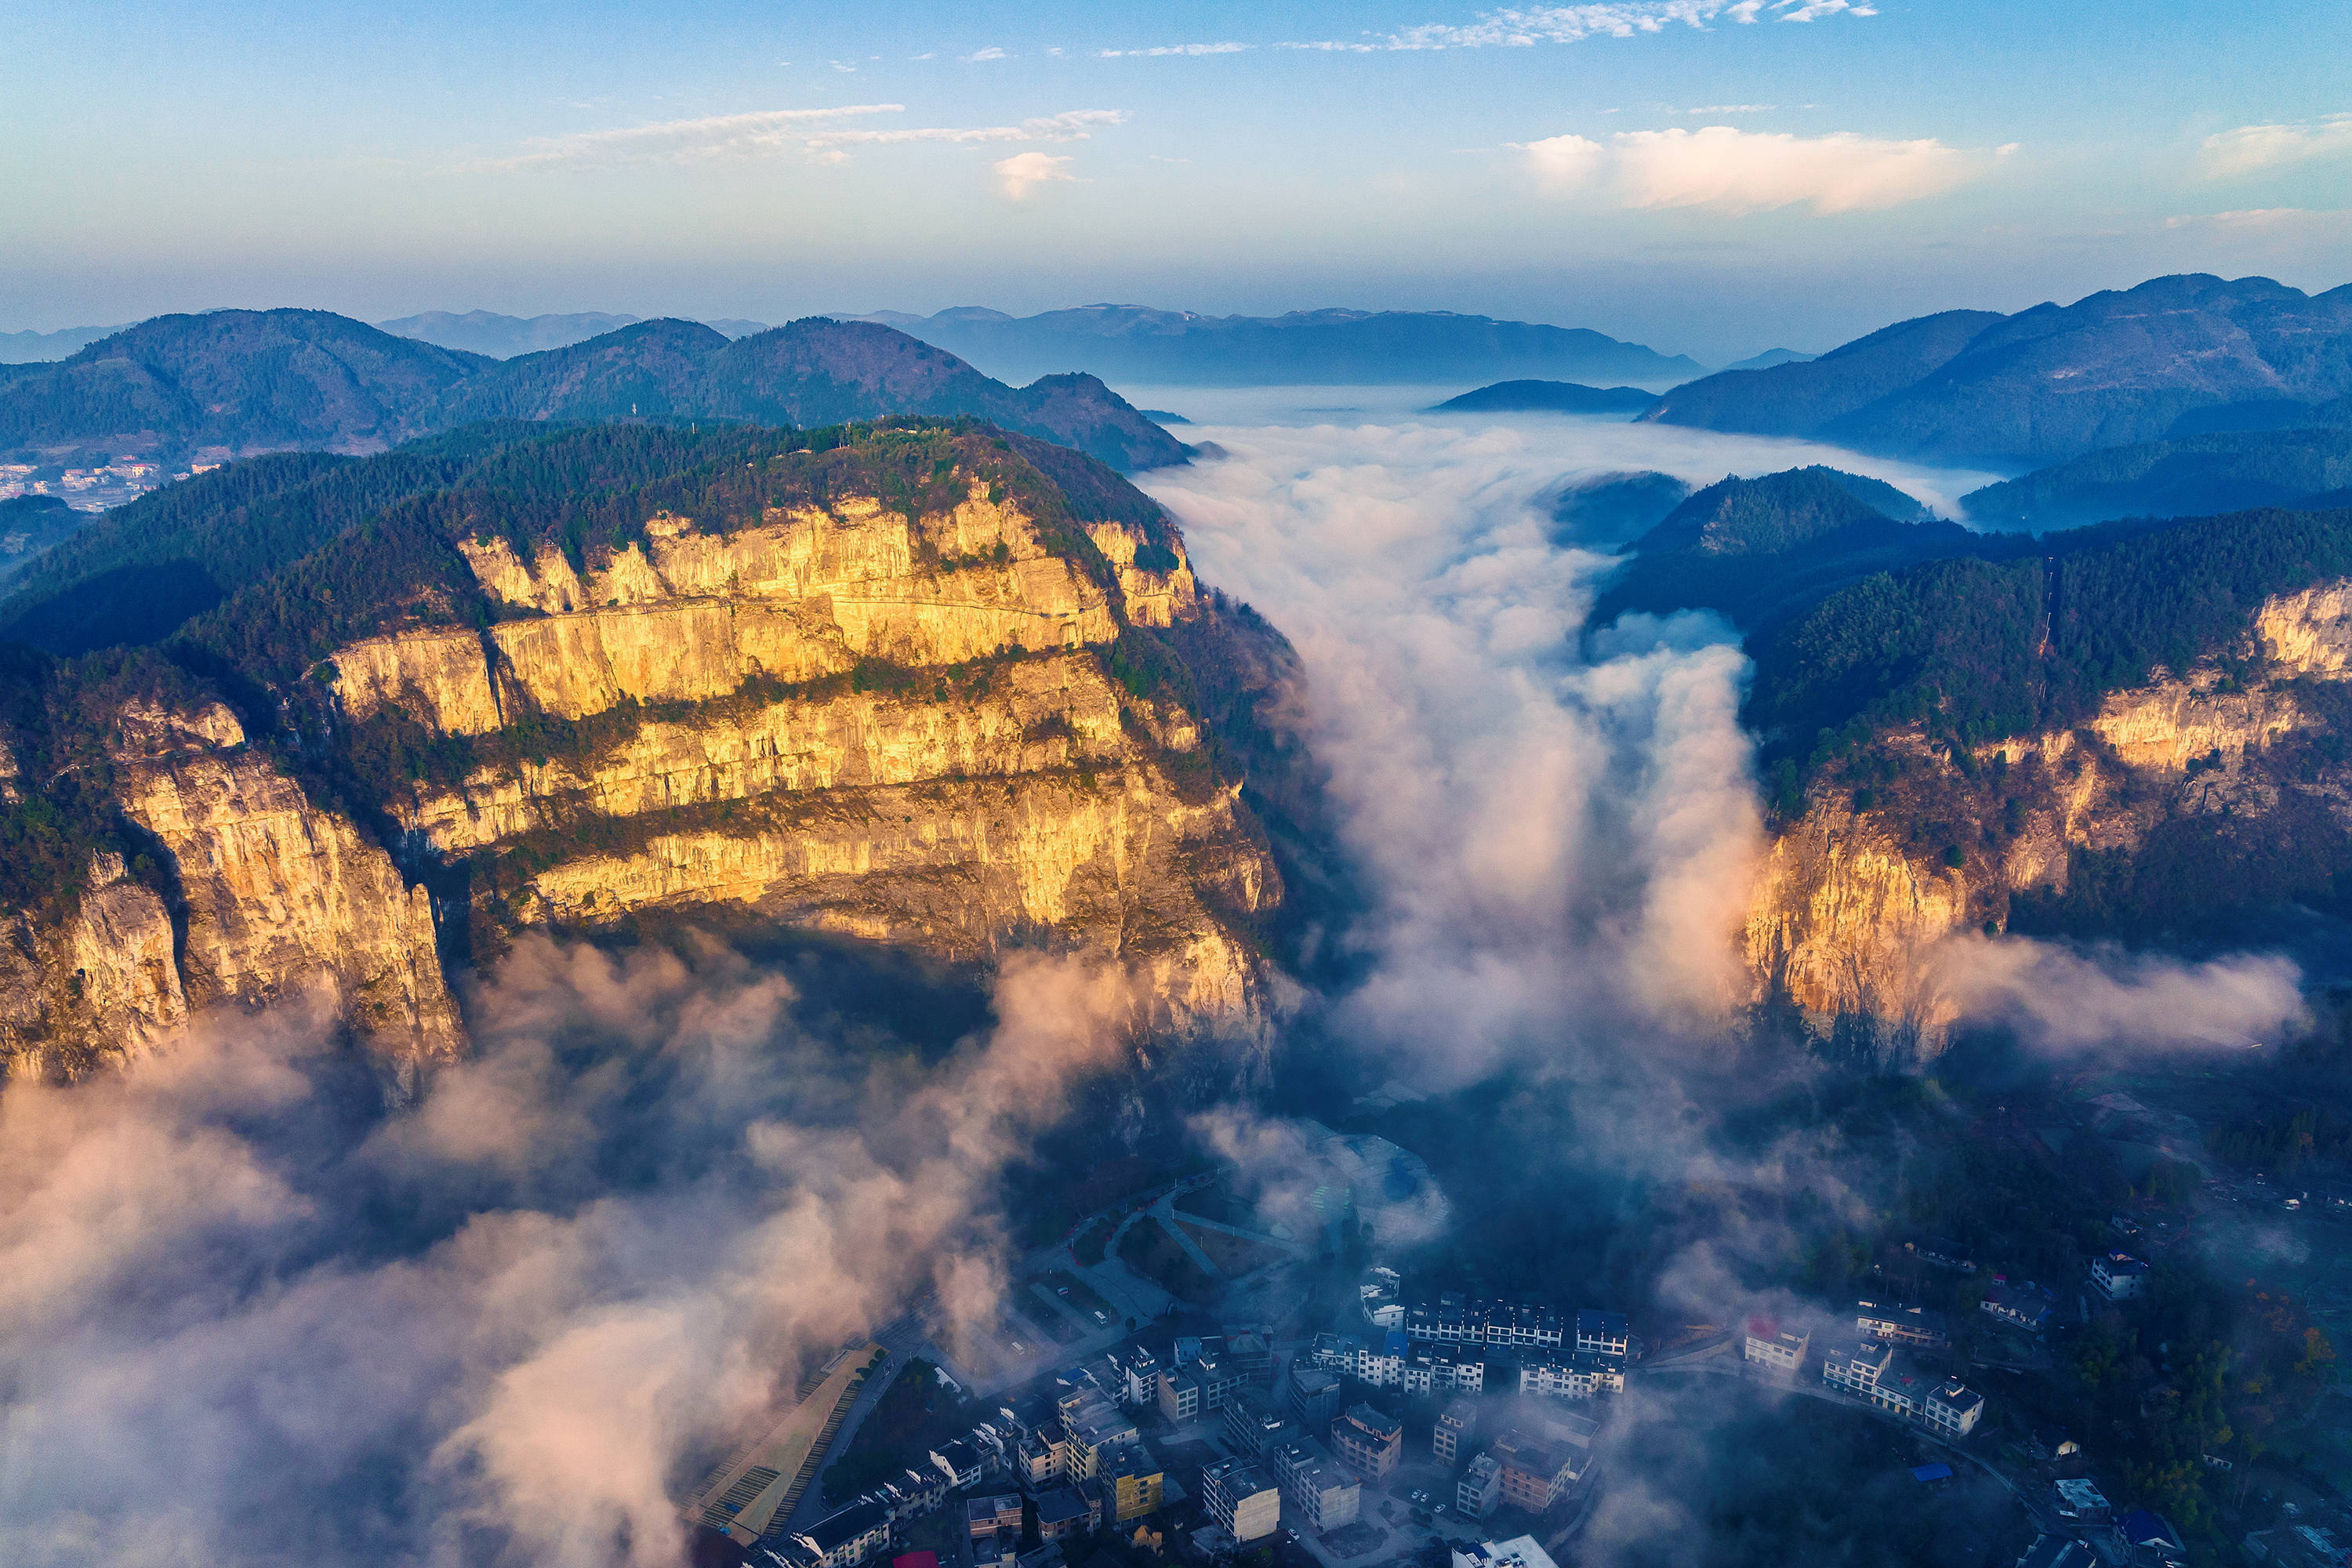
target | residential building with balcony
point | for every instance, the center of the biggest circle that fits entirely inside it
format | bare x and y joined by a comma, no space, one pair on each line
1180,1396
1953,1408
1901,1323
1572,1374
848,1536
1602,1334
2119,1276
1134,1480
1438,1373
1854,1365
1250,1428
2026,1306
1535,1473
1314,1394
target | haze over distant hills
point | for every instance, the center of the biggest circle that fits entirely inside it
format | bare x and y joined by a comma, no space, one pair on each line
1329,348
505,337
231,383
2172,355
34,348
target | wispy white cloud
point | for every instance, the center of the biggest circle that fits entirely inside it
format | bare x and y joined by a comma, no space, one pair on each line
2265,220
1728,170
990,53
1025,172
1524,28
760,130
1070,125
1733,108
2249,149
771,130
1157,50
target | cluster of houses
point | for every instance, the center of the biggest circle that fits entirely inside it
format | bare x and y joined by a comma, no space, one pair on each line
1440,1347
1877,1362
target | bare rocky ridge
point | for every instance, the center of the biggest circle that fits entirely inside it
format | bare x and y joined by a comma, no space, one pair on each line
1852,899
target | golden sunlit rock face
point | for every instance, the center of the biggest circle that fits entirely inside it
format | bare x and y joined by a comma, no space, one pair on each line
1851,901
910,729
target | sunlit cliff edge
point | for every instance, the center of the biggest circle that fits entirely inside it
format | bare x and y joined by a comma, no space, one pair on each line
959,718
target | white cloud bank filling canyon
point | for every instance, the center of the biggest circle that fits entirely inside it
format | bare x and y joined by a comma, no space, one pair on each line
1558,850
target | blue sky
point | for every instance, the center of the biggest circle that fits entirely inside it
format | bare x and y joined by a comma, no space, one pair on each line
1706,177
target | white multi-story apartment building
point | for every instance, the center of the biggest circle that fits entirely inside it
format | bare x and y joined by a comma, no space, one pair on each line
1480,1490
1383,1365
1602,1334
1441,1373
1575,1374
1900,1323
1239,1496
1954,1409
2119,1276
1319,1495
1855,1366
1773,1347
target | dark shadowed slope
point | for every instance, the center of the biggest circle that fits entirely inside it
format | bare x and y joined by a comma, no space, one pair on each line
1548,397
1797,399
231,382
1756,549
2052,382
2196,475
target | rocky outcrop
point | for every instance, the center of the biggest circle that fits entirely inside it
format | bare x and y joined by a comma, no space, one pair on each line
1853,895
848,719
283,897
275,898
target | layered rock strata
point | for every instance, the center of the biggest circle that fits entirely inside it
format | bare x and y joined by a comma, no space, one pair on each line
846,718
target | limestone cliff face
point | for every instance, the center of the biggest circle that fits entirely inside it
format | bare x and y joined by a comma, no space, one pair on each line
279,899
1853,895
848,719
965,719
283,897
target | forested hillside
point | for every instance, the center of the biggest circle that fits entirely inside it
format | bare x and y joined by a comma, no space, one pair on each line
2193,475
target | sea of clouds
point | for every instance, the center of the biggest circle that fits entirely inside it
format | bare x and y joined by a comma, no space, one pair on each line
247,1316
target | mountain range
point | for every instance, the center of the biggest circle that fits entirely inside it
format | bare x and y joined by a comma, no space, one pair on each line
1137,344
2173,355
234,383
